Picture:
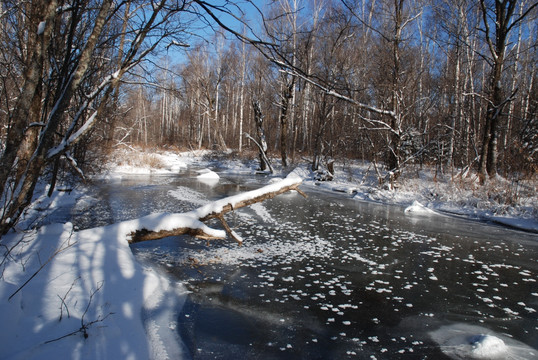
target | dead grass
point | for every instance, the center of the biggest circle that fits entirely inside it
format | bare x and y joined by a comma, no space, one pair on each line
139,159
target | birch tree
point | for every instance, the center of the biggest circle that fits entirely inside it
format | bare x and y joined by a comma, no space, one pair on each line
498,21
64,94
283,29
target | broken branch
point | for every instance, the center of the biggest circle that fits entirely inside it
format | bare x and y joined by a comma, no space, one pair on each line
216,209
146,235
229,230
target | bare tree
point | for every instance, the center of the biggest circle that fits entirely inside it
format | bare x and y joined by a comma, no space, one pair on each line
261,142
70,70
499,19
283,29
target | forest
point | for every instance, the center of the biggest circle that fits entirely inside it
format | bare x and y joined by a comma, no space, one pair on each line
446,84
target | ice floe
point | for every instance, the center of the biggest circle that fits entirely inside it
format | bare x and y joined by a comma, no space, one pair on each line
464,341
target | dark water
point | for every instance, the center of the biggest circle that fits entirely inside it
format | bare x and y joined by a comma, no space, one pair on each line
332,278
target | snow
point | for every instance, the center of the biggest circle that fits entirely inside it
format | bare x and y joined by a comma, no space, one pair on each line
506,203
165,221
218,206
463,341
208,177
207,174
487,346
131,161
41,27
65,143
92,285
186,194
89,297
89,283
418,208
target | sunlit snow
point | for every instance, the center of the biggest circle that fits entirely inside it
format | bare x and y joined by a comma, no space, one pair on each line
333,266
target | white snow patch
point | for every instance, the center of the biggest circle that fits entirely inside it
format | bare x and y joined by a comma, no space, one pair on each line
218,206
92,279
207,174
418,208
262,212
189,195
487,346
463,341
41,27
361,259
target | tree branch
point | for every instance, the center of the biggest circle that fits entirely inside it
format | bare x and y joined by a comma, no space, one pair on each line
218,209
262,152
335,94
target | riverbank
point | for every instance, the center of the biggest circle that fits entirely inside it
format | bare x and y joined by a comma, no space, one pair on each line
508,203
81,294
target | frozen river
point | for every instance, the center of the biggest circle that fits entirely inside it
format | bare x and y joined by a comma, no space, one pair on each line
329,277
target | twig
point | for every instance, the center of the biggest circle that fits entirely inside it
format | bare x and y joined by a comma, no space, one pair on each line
60,250
63,304
99,286
84,327
7,254
230,232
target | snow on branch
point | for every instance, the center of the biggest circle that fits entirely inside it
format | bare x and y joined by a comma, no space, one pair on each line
262,152
66,143
158,226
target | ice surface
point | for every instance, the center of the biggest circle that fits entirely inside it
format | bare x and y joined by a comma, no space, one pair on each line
99,262
464,341
189,195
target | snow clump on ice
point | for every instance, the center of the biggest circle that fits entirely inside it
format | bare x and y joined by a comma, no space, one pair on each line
207,174
486,346
418,208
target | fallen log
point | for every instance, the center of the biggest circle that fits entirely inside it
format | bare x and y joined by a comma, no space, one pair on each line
191,223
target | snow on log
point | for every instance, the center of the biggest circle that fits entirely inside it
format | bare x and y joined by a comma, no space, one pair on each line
158,226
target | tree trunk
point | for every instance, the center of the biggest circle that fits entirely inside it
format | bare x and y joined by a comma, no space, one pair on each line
217,210
394,145
503,12
38,160
260,133
32,77
287,97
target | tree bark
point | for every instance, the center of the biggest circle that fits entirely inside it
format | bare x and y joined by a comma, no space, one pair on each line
262,144
33,77
287,99
496,40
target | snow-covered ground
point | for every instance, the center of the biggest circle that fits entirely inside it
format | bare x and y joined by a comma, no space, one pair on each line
81,294
512,204
506,202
